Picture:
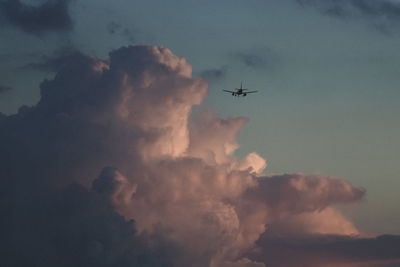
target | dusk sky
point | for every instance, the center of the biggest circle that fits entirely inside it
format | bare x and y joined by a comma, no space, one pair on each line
114,111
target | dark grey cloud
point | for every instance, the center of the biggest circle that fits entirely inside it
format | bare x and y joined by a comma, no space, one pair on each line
214,74
260,58
327,250
73,226
382,14
62,57
49,16
115,28
4,88
252,60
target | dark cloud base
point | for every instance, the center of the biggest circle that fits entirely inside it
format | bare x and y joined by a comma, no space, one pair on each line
327,250
69,227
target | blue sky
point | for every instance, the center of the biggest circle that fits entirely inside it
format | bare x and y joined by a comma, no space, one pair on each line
328,85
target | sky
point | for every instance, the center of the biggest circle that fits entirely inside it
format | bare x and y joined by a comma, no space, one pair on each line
116,111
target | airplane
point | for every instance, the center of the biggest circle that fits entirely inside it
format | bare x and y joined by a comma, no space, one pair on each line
240,91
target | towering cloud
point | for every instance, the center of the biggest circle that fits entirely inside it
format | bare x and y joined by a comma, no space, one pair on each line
108,170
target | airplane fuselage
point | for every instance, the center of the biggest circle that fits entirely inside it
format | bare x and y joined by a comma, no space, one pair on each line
239,92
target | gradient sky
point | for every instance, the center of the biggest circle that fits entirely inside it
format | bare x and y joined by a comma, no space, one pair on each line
328,81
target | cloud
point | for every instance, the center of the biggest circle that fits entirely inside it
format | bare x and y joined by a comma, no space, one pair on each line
327,250
298,193
214,74
73,226
4,88
113,27
251,60
217,148
49,16
108,169
382,14
263,58
257,59
117,28
62,57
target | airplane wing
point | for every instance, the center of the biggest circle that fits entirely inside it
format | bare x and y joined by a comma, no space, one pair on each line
249,92
228,91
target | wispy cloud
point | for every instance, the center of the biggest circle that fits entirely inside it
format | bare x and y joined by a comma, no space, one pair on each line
215,74
383,14
260,58
116,28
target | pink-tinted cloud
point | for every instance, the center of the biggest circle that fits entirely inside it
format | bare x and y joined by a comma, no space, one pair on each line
213,139
193,202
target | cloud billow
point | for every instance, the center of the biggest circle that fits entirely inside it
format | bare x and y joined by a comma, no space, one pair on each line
108,170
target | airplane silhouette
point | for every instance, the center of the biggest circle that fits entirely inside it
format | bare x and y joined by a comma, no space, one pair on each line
240,91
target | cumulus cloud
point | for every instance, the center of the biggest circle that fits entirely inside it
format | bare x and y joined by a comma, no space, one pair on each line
383,14
108,169
49,16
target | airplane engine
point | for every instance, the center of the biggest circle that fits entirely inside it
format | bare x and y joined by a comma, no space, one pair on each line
233,94
244,94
